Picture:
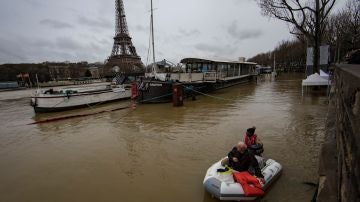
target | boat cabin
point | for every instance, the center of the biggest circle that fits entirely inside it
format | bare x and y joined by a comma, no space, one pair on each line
204,70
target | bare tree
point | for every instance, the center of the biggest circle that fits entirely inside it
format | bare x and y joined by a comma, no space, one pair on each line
352,11
290,56
343,31
307,18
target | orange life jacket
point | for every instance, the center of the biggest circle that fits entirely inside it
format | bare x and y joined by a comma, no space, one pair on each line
249,183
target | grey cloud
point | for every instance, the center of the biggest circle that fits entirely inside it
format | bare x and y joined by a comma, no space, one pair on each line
183,34
60,56
205,47
189,33
91,29
68,44
95,46
10,54
160,54
140,28
242,1
142,48
55,24
236,32
104,40
99,22
24,49
73,50
34,3
76,49
41,43
216,51
11,50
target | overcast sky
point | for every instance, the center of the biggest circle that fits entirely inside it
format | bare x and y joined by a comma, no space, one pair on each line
83,30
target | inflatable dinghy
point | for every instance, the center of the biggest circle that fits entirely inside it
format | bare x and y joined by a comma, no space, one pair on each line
226,184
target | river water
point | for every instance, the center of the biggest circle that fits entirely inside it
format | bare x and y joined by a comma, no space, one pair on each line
157,152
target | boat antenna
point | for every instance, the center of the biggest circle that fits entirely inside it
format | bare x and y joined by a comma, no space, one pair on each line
152,37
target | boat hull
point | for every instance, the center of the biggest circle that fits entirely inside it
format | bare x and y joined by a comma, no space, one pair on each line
161,91
56,103
155,92
222,185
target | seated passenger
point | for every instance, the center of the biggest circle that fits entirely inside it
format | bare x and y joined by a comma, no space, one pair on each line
251,137
241,159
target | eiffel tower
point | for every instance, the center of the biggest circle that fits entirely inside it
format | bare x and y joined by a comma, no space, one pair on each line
123,54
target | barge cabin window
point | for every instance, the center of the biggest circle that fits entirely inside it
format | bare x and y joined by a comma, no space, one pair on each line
222,68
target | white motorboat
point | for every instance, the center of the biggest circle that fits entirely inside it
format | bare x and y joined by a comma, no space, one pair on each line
223,186
51,100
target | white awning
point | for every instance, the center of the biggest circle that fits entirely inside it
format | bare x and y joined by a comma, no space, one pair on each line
315,80
324,74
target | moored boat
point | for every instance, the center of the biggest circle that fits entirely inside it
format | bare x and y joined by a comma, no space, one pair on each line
156,87
225,186
62,99
199,76
154,91
215,74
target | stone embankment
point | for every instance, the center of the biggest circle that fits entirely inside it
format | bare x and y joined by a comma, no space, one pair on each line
339,171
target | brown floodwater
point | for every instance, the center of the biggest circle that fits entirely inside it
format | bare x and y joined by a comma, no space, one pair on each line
157,152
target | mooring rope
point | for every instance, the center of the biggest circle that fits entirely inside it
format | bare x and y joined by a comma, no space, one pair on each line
205,94
77,116
232,100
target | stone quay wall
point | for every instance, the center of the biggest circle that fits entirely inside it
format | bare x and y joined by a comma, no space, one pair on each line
339,168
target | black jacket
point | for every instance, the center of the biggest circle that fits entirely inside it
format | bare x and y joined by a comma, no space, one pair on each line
246,160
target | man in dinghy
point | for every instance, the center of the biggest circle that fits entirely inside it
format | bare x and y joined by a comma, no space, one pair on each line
241,159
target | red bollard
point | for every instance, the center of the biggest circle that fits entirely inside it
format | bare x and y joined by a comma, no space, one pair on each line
177,95
134,94
134,90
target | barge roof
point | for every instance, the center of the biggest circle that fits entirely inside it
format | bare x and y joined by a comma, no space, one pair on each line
201,60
